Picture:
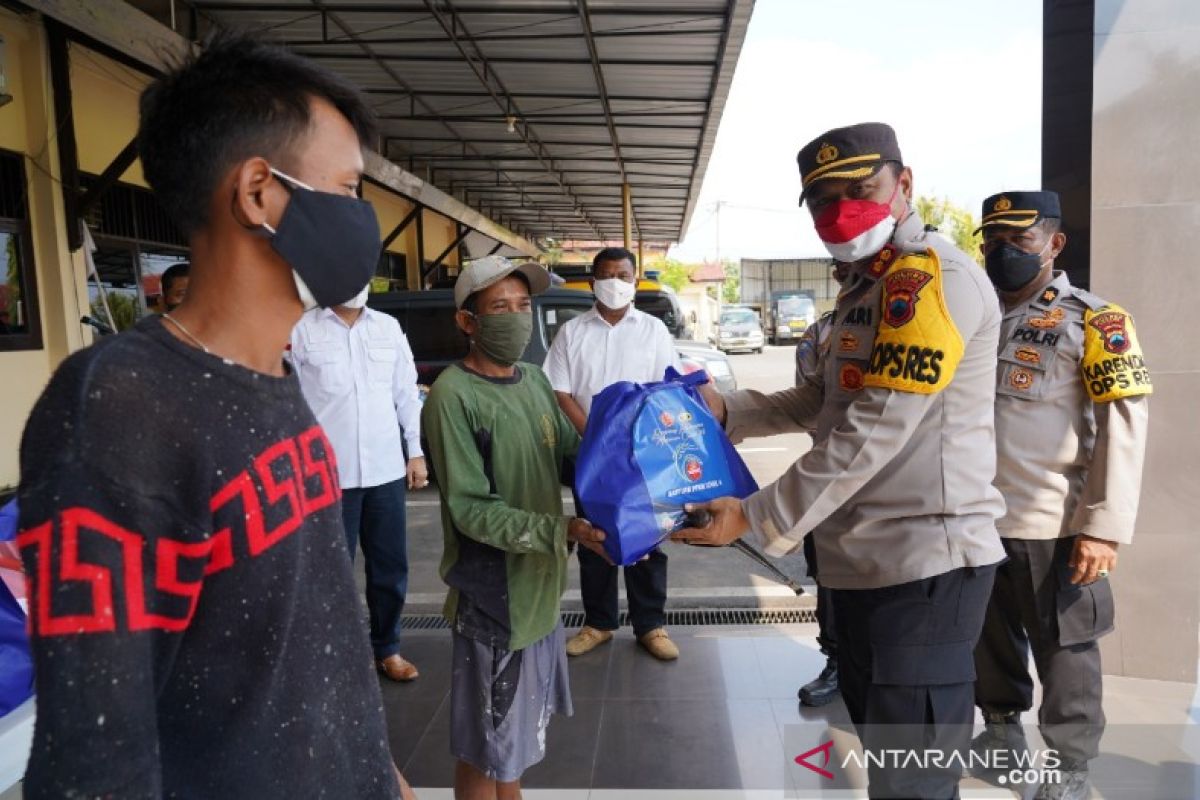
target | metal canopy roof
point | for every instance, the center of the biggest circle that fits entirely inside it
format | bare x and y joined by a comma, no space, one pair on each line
596,93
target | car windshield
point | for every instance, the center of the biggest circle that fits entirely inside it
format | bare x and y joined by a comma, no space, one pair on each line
796,306
741,317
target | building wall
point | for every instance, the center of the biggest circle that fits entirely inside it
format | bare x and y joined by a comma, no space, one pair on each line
1141,191
24,127
105,118
104,100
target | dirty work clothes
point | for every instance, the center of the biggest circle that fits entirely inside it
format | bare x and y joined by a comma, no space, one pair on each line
376,517
1035,606
194,620
501,702
906,672
498,446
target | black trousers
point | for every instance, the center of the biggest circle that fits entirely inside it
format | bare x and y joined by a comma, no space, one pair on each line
826,624
826,627
376,516
907,674
645,588
1035,607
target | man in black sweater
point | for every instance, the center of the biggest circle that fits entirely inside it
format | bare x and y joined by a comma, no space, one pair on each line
194,622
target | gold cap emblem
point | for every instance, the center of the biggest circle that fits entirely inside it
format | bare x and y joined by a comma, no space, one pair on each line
826,154
1002,204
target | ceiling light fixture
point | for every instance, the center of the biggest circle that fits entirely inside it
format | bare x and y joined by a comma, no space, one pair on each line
512,123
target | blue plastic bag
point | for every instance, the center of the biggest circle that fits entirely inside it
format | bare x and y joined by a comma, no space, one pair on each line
16,662
647,450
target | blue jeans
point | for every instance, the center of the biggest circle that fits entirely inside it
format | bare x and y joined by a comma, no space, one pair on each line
375,515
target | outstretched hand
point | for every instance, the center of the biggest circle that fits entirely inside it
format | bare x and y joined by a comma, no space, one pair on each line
727,524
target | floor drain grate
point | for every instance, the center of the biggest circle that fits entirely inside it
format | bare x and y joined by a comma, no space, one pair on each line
716,616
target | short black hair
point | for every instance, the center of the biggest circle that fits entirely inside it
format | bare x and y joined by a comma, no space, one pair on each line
237,98
172,274
613,254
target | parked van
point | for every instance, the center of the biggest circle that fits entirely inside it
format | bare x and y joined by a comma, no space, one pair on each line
739,329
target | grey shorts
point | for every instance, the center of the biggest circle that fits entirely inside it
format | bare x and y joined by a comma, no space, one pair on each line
501,702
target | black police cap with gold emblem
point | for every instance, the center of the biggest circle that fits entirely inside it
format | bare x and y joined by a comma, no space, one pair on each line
1019,209
851,153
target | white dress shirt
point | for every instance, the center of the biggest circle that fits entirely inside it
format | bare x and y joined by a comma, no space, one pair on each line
361,382
589,355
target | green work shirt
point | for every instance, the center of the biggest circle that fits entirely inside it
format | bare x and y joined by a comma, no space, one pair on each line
497,446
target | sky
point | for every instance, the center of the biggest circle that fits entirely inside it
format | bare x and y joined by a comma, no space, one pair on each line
959,80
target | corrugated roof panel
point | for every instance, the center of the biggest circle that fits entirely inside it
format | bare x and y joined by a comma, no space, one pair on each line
663,63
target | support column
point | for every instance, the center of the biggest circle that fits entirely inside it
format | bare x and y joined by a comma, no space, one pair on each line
627,215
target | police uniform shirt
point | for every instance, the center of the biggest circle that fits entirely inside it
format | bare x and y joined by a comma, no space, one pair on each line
1072,411
811,348
588,355
899,487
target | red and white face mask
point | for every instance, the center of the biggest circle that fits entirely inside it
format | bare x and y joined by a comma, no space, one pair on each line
855,229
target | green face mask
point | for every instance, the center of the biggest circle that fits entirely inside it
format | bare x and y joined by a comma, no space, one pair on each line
504,337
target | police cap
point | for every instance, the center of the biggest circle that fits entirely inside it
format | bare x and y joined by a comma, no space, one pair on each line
852,153
1019,209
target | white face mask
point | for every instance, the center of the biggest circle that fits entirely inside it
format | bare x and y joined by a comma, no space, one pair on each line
867,243
614,293
306,296
359,300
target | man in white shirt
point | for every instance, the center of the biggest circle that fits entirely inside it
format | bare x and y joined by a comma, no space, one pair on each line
357,372
613,342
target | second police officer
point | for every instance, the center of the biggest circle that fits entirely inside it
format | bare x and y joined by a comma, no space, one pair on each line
1072,406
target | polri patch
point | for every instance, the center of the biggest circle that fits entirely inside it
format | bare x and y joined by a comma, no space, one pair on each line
1047,320
902,290
917,346
1028,354
850,377
1111,325
1020,378
882,261
1113,367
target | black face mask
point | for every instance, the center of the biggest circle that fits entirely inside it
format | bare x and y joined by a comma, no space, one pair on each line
331,243
1010,268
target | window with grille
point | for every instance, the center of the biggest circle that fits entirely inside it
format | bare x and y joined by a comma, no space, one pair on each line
19,324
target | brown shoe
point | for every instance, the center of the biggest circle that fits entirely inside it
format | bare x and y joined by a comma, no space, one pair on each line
659,645
587,640
397,669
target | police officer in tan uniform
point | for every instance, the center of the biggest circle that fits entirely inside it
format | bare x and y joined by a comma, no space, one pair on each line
897,491
1072,404
811,351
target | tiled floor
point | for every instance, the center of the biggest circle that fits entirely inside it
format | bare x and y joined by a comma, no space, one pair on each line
712,725
722,722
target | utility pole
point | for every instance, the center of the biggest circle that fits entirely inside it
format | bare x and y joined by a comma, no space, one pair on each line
719,203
